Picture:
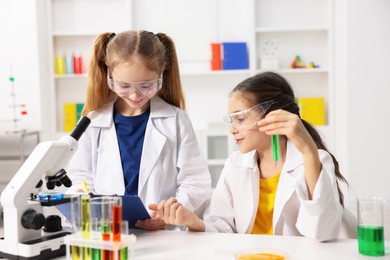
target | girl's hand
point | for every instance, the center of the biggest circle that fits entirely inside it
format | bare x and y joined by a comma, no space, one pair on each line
172,212
155,223
281,122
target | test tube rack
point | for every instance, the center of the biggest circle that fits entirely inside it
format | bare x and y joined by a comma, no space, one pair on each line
76,239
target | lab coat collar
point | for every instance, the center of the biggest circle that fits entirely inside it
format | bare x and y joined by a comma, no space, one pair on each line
103,115
246,160
159,108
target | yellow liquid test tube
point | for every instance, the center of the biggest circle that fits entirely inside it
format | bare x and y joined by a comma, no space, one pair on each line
85,224
76,253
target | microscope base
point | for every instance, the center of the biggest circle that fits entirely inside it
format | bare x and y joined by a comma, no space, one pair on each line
46,247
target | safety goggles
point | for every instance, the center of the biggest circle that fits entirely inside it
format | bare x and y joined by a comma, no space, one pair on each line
246,119
146,88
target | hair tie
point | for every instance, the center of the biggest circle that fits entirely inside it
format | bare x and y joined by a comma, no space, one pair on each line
112,35
158,35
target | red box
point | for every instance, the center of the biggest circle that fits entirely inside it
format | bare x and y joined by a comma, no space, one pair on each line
216,62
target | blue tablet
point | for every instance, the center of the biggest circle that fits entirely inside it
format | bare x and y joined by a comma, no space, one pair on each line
133,209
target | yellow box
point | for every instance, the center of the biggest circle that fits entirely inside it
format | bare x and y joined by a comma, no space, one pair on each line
312,109
70,116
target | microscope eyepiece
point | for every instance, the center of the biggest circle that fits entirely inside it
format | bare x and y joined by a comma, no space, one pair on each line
80,128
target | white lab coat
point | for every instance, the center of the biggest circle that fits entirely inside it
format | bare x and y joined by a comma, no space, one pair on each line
172,164
235,200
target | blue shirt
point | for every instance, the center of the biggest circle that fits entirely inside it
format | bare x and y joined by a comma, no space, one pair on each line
130,131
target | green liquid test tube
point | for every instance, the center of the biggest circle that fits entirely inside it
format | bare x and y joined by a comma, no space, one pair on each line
275,147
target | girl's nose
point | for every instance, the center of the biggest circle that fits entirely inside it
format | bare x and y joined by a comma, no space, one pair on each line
233,130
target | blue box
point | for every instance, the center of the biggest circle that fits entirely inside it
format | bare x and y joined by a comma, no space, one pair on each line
235,56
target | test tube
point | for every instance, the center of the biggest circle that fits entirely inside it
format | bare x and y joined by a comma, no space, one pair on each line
95,235
85,224
125,231
105,225
275,147
75,208
99,210
116,218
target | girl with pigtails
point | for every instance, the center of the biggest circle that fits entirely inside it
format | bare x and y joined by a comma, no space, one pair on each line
140,141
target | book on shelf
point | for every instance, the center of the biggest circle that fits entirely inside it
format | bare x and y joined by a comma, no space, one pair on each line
312,109
235,56
229,56
216,61
72,114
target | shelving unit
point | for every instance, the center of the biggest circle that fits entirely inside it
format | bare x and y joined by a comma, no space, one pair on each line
299,27
217,145
305,30
72,29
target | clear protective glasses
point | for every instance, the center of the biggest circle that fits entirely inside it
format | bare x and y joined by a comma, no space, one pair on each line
246,119
147,88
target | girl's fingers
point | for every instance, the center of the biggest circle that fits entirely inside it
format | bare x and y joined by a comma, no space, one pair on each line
160,208
273,127
173,212
167,207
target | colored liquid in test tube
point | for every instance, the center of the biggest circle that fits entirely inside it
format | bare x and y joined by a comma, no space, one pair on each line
85,224
105,225
116,222
116,227
275,147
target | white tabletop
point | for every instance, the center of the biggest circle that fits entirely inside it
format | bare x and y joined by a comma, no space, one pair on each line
185,245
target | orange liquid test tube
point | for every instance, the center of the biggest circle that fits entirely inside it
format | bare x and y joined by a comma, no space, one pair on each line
116,222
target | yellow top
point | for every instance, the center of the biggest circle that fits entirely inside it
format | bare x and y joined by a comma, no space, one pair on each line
265,209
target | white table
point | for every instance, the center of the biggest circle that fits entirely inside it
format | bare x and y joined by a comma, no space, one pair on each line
183,245
179,245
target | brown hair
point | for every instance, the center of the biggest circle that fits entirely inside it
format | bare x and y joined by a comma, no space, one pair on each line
271,86
157,52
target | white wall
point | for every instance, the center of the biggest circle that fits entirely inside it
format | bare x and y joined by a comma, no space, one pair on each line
368,88
18,49
362,79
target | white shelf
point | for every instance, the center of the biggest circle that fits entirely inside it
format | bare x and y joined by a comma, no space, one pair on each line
290,29
71,76
297,71
215,72
74,34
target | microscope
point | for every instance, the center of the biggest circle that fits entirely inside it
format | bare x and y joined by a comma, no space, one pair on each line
24,235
